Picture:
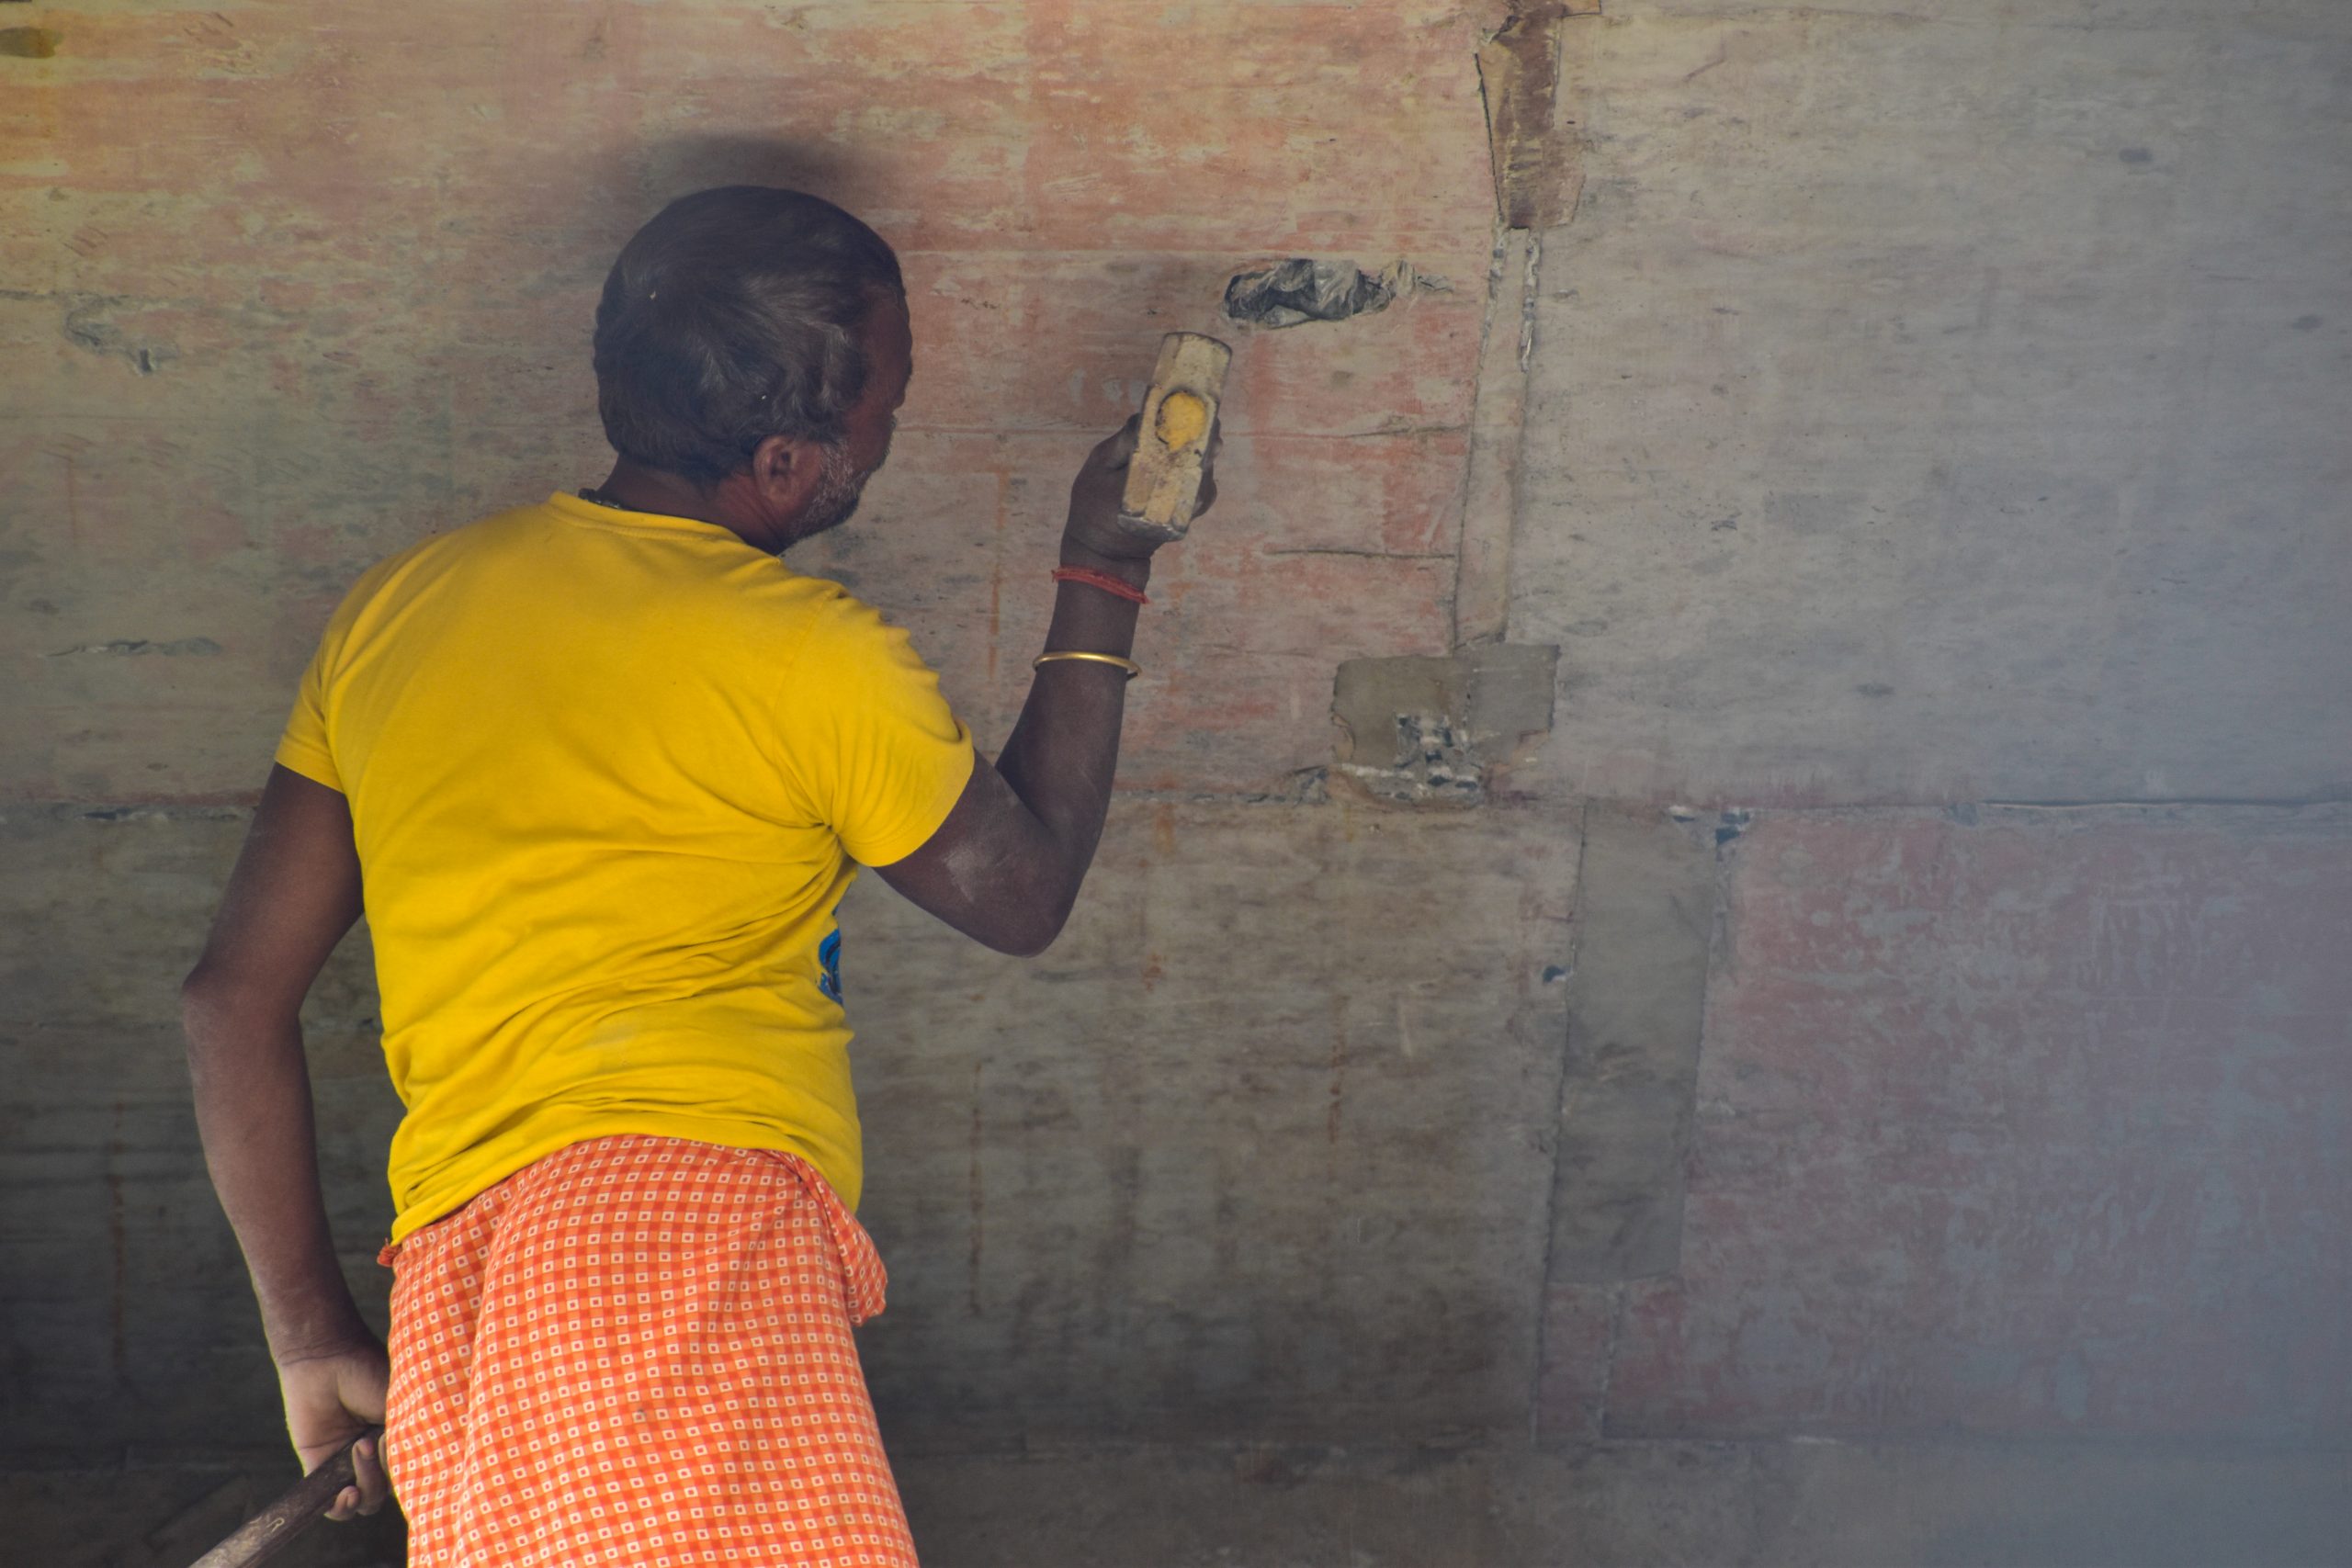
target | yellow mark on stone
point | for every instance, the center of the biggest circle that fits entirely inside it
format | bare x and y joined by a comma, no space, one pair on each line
1184,417
30,43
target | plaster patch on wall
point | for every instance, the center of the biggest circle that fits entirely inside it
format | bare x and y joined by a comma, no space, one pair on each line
30,43
1538,174
1426,731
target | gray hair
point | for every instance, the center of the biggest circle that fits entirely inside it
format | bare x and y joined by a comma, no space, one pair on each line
732,317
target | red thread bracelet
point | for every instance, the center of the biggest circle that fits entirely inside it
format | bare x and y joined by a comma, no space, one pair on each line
1102,579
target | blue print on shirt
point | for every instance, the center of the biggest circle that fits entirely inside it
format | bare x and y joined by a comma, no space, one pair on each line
829,964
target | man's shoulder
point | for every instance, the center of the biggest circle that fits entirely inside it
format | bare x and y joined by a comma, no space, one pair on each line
838,618
443,544
414,574
851,645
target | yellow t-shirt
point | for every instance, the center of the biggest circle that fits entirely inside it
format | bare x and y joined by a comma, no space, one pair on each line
608,772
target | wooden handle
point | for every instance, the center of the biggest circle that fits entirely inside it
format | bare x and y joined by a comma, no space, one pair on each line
304,1505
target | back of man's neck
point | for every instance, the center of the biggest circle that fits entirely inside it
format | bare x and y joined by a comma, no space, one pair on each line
633,487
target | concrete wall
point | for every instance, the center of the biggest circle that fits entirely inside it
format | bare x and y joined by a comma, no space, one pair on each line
1940,403
1796,1014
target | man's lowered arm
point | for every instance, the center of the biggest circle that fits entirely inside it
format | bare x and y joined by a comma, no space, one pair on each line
294,894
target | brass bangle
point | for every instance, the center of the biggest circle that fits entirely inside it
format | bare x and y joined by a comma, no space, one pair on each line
1129,665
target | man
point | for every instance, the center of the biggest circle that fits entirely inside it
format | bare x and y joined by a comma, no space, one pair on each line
602,769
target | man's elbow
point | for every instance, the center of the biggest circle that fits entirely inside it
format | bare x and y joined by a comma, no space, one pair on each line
204,1007
217,1006
1025,938
200,991
1026,927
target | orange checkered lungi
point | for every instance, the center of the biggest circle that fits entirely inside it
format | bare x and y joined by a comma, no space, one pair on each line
637,1351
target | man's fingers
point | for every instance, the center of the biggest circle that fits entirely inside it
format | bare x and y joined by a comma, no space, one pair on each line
375,1488
1207,496
370,1487
1113,450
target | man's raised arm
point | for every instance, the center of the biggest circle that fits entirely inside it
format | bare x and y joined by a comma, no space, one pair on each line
1005,867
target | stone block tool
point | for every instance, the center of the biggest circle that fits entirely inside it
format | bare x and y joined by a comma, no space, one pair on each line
1179,421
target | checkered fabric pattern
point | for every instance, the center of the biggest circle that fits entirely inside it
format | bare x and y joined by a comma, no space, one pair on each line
637,1351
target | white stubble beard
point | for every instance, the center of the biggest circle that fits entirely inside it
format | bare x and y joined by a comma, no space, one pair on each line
839,488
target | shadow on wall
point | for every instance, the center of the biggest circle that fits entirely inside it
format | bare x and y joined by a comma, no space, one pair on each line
665,170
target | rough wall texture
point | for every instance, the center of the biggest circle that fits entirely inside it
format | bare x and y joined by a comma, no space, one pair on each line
1941,402
1281,1168
1710,1132
2033,1124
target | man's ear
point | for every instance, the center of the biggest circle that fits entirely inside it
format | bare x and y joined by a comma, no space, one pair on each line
785,471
